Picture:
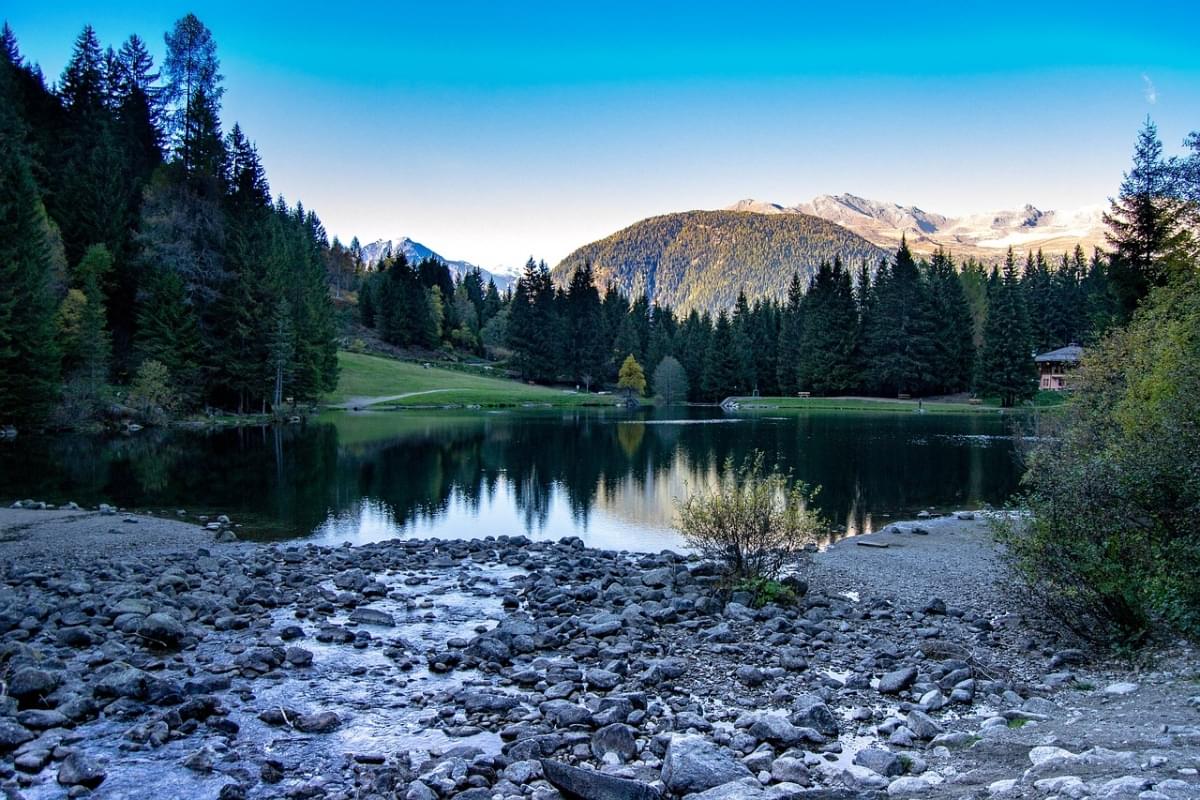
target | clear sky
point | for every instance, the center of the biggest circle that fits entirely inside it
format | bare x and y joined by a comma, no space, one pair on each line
491,131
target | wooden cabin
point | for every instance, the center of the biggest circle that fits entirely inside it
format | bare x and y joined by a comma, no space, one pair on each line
1054,366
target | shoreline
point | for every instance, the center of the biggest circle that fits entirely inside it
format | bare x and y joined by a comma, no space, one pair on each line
500,667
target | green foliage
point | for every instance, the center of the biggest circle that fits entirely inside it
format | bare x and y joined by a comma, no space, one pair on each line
1112,544
766,592
670,381
151,389
702,259
754,521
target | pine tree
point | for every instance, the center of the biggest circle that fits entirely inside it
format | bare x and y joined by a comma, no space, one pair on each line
584,351
826,363
953,364
29,360
721,367
192,68
899,346
281,350
90,357
743,346
789,338
1144,225
1006,366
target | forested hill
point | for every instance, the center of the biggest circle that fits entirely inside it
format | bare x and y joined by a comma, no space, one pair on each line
702,259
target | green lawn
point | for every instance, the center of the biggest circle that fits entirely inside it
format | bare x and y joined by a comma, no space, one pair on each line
864,404
372,380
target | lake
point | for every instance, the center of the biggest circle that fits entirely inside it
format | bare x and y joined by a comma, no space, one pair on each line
609,476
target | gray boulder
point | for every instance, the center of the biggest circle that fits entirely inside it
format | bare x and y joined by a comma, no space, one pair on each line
810,711
79,770
884,762
590,785
693,764
898,680
161,630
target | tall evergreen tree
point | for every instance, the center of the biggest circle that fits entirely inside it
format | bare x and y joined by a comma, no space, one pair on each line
1144,222
1006,366
953,365
192,69
900,337
722,370
790,330
827,338
29,360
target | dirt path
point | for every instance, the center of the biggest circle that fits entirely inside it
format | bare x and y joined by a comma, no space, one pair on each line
362,402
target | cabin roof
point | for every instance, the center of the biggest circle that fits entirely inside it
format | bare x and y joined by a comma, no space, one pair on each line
1070,353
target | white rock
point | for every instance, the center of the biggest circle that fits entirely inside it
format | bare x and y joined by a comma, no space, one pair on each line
1057,784
1040,755
908,786
1122,688
1002,787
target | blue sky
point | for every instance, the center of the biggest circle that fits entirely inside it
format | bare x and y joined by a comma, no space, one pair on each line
492,131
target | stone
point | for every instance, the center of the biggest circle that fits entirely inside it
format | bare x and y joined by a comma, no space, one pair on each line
1044,753
750,675
884,762
602,679
897,681
616,740
791,770
922,726
775,727
693,764
810,711
908,786
13,735
298,657
564,713
372,616
590,785
1128,786
319,722
748,789
79,770
29,685
1120,689
162,631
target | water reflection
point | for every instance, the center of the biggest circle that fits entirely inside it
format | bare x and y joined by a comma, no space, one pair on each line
609,477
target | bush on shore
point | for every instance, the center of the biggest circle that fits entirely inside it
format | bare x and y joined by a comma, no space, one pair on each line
1113,545
754,522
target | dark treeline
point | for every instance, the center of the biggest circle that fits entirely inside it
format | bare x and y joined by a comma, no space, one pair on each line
422,305
140,245
904,326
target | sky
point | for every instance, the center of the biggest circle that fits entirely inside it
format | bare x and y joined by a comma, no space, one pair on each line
496,131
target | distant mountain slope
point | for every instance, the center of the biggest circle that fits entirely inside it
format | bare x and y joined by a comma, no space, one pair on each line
986,235
415,251
701,259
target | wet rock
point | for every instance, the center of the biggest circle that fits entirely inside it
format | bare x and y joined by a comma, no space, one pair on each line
922,725
748,789
614,741
693,764
564,713
602,678
319,722
810,711
898,680
790,770
30,685
80,770
39,719
298,657
591,785
372,616
751,676
884,762
13,735
161,630
776,728
908,786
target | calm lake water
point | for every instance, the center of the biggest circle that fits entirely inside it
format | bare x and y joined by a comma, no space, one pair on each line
610,477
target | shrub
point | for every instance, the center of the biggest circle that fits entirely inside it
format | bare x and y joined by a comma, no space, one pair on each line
151,392
1113,545
753,522
767,592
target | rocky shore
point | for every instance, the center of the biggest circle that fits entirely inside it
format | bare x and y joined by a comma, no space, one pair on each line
143,656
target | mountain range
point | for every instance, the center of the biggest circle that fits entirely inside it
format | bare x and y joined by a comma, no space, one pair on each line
702,259
414,251
985,236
